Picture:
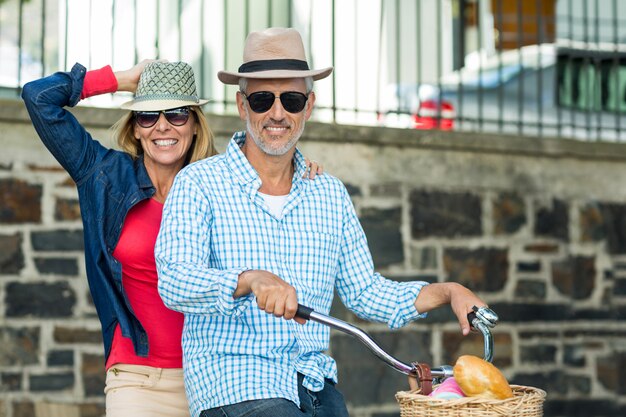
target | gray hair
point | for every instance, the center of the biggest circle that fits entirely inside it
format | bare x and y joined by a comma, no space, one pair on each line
308,81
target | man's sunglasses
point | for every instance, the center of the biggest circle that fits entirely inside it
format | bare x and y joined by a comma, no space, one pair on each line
176,117
262,101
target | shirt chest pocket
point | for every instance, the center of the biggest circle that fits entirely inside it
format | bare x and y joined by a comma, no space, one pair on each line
108,198
315,257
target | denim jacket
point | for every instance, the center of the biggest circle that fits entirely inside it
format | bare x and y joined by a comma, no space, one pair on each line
109,183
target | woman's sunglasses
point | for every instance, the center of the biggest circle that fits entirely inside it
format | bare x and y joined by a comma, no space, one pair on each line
262,101
176,117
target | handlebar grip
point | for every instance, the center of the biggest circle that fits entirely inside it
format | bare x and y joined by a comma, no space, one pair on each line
470,317
304,312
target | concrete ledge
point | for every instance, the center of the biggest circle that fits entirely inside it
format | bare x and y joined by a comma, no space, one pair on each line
484,143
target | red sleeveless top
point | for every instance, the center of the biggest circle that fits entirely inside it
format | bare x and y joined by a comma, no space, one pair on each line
135,251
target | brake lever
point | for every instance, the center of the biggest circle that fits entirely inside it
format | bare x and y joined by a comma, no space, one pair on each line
482,319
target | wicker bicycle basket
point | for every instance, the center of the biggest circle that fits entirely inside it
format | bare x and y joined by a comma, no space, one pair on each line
526,402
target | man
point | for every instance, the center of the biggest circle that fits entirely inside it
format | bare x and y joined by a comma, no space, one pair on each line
245,228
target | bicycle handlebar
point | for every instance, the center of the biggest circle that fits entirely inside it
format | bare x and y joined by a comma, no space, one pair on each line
481,319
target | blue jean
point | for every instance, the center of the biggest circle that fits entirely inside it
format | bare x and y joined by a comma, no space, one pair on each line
327,403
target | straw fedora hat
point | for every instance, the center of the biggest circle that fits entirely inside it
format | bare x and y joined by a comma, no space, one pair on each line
163,86
273,53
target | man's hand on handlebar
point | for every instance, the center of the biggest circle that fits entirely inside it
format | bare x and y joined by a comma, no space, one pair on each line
273,295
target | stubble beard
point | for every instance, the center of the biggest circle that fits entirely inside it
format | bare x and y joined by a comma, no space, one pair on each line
266,147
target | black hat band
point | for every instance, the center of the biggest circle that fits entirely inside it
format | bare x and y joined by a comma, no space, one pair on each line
274,64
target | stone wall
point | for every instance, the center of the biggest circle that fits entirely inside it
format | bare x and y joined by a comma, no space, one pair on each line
536,227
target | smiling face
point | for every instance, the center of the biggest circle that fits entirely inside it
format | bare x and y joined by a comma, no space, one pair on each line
164,144
276,131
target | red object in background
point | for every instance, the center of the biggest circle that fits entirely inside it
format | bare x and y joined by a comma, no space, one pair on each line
431,116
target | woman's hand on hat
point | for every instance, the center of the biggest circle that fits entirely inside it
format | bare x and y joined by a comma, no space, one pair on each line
128,80
313,169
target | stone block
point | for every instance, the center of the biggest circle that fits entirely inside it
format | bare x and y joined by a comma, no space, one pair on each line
51,409
440,214
553,221
554,382
523,313
382,228
10,381
509,214
440,315
93,375
92,409
67,182
595,332
538,354
365,379
543,334
575,276
393,190
23,409
574,355
529,267
11,255
353,190
424,257
543,248
58,240
482,269
51,382
579,407
57,266
20,202
89,299
531,289
611,372
430,278
66,209
455,344
592,223
46,168
71,335
602,312
604,222
579,385
60,358
619,288
41,299
19,346
387,414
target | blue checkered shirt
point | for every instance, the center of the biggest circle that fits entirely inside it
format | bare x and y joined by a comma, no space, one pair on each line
215,226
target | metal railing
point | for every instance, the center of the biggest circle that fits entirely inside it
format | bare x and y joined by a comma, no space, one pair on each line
542,67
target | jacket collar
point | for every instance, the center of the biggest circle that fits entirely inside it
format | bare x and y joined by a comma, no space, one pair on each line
143,179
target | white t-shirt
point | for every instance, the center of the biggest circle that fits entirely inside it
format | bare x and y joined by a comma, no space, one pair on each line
275,203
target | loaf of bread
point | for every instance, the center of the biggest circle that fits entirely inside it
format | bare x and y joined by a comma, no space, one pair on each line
479,378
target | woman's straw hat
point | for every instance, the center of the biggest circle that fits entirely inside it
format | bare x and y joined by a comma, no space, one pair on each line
165,85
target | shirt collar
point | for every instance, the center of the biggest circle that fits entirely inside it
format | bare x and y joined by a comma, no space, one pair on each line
237,161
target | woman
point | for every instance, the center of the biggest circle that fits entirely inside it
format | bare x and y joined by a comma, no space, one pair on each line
121,195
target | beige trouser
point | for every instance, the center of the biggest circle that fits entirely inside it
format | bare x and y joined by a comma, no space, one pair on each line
144,391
